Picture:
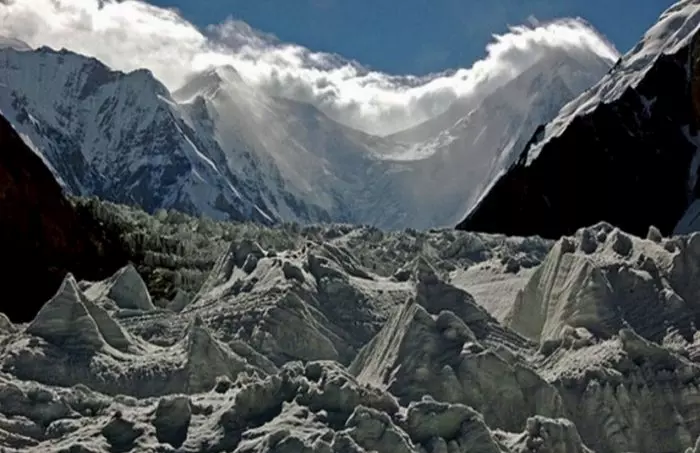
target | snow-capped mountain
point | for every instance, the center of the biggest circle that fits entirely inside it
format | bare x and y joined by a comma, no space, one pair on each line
293,147
467,154
119,136
625,152
222,148
216,147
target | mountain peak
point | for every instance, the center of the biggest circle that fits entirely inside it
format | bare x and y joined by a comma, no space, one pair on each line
674,30
624,151
207,82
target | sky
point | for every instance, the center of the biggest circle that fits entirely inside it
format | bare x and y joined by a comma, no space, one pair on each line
417,36
379,66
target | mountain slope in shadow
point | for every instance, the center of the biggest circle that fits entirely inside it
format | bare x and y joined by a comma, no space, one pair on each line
42,234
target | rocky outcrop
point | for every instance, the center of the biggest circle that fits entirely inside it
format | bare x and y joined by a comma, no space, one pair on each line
121,433
207,359
628,394
615,317
624,152
42,235
439,426
84,344
172,420
549,435
299,304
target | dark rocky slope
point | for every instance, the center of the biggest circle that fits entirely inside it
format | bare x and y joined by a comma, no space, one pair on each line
623,152
42,235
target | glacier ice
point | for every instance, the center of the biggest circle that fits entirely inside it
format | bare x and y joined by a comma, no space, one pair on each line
368,341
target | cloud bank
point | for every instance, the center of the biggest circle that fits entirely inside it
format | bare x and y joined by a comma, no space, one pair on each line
131,34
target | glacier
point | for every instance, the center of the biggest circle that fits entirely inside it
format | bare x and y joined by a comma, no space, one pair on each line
344,338
239,323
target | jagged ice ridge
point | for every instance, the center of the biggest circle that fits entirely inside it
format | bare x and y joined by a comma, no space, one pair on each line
339,338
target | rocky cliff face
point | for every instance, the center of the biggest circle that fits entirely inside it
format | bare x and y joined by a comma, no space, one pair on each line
625,152
42,235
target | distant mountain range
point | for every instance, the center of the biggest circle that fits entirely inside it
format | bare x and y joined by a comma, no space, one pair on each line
221,148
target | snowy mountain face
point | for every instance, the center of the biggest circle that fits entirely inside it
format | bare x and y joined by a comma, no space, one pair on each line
624,151
471,152
294,146
122,137
221,148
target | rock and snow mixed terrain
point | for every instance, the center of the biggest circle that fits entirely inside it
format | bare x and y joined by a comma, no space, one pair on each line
350,339
240,337
220,147
626,151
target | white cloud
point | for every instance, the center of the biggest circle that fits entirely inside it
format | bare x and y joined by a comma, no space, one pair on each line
131,34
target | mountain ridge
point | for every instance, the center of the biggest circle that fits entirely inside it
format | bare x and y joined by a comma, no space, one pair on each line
221,148
627,132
